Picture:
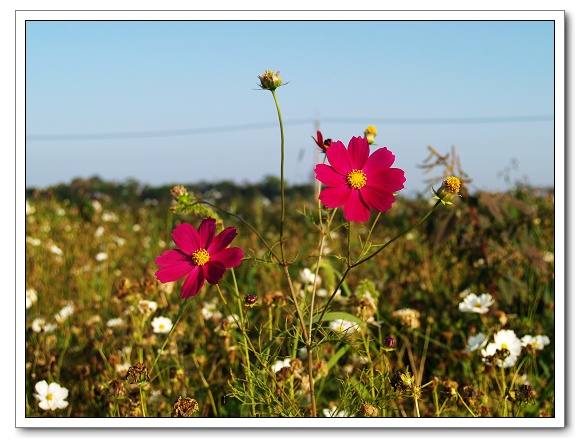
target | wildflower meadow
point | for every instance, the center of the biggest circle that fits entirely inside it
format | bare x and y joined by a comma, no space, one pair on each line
344,298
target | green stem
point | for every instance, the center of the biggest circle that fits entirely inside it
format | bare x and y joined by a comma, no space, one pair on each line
283,203
380,249
246,353
181,310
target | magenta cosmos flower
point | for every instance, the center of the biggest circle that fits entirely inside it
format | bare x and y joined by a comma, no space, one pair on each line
200,256
358,181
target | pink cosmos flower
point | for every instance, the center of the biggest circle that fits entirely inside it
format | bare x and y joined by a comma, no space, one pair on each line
358,181
200,256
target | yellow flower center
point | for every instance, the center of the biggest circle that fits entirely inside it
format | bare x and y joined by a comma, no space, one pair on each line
478,304
504,346
452,184
49,397
161,326
356,179
200,257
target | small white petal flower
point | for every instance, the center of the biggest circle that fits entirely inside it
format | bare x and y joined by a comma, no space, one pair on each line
280,364
161,325
39,325
536,342
476,304
344,326
29,209
99,232
64,313
504,339
332,412
109,217
476,342
308,277
208,311
101,256
55,249
147,307
33,241
51,396
31,297
115,322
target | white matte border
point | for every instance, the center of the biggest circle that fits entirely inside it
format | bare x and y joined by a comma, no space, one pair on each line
559,119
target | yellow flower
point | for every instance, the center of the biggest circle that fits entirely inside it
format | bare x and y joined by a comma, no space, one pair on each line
448,190
370,134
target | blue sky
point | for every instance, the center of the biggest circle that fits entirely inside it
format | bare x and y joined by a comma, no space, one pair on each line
91,85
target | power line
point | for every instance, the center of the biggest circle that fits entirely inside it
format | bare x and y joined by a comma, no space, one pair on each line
252,126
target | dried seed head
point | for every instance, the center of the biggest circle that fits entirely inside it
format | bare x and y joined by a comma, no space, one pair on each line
185,407
177,191
320,368
369,410
117,388
138,373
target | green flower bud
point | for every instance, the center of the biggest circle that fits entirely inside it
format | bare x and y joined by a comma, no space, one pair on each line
270,80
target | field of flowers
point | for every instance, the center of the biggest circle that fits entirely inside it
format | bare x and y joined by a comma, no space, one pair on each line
342,299
412,332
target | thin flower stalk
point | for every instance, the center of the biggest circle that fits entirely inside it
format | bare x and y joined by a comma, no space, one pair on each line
375,253
282,198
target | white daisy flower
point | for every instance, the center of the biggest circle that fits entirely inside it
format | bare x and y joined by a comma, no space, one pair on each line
64,313
161,325
31,297
536,342
504,339
475,342
344,326
51,396
332,412
476,304
280,364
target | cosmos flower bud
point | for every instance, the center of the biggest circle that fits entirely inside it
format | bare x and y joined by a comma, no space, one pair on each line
250,299
390,342
370,134
448,190
270,80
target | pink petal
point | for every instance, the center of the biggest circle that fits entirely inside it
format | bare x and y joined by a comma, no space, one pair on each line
206,232
193,283
333,197
358,152
230,257
175,271
213,271
376,199
329,176
391,179
338,158
355,209
381,159
222,241
170,257
186,238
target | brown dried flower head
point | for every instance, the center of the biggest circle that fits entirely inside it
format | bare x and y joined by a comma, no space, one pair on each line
184,407
138,373
369,410
177,191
